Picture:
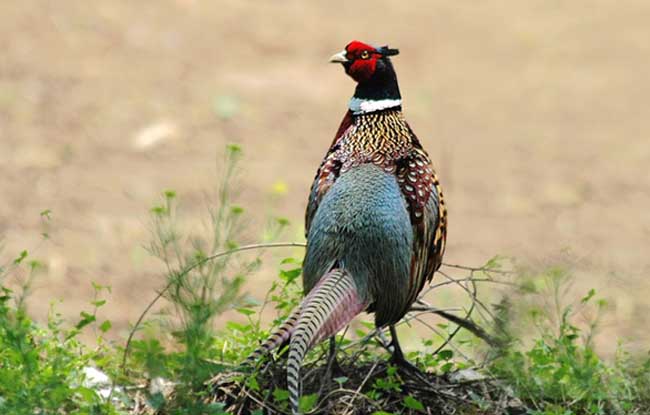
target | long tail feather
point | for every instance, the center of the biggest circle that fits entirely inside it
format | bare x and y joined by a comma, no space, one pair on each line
332,304
276,339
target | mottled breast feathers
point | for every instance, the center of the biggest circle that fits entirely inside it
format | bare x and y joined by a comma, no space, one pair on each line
385,139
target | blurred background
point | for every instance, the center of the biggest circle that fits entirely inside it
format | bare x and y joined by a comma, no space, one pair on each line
536,114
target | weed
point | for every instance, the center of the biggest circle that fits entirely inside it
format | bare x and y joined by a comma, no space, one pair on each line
43,369
200,286
559,372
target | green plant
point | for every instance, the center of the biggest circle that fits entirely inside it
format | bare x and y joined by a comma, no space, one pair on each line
43,369
200,286
386,384
560,372
237,340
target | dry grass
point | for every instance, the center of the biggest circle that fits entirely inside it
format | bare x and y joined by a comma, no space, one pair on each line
536,114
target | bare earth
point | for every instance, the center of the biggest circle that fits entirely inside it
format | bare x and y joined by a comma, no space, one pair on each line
537,115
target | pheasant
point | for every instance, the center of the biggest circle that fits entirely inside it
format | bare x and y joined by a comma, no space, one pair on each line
375,223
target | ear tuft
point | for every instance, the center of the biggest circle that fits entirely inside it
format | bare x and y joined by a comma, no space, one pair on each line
386,51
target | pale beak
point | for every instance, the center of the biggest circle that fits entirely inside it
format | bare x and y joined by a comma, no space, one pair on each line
339,57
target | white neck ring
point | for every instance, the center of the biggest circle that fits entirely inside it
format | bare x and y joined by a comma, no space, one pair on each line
364,106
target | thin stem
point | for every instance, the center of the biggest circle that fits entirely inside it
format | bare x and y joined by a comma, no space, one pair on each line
183,274
477,269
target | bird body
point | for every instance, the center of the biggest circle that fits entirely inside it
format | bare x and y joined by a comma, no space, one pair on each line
362,225
375,220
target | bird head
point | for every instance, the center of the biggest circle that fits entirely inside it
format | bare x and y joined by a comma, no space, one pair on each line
364,62
371,67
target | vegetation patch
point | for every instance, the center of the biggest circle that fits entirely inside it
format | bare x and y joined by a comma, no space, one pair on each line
522,347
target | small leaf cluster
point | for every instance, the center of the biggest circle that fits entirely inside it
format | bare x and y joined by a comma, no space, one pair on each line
559,372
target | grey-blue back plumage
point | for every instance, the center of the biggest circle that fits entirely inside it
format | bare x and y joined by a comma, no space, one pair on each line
362,225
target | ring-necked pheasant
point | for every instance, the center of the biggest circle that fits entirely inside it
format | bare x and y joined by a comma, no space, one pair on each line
375,222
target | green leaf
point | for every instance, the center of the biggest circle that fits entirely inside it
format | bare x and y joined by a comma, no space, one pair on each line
283,221
280,395
159,210
252,383
246,311
412,403
447,367
307,402
98,287
35,264
86,319
217,408
290,275
232,325
494,263
233,149
88,395
341,380
368,325
105,326
588,297
229,244
20,258
446,354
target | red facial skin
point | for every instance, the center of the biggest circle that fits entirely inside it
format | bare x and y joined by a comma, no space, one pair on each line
361,69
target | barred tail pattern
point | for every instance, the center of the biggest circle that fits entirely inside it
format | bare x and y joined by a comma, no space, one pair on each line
279,336
332,304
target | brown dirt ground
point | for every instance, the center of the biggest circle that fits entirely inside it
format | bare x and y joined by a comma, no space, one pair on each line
536,113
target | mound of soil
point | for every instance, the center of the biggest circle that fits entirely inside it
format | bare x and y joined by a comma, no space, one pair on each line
365,390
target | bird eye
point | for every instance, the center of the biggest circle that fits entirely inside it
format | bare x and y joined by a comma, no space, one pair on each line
365,54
